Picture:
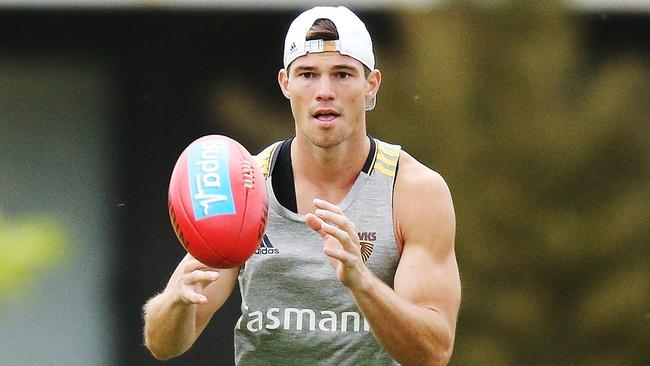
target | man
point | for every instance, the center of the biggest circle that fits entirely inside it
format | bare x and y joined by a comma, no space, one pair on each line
357,265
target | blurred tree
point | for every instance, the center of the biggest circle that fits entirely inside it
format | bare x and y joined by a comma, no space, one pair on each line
548,158
28,246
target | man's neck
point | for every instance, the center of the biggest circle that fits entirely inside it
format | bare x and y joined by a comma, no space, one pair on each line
326,173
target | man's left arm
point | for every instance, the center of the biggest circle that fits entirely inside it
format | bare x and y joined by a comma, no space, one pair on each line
416,321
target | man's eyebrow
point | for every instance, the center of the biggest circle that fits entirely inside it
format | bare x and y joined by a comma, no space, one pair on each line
305,68
344,67
338,67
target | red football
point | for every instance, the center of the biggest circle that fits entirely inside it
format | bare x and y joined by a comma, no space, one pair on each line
218,203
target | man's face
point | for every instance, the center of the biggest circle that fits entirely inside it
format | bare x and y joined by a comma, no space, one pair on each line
328,93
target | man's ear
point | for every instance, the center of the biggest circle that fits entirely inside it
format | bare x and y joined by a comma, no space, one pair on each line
283,80
373,83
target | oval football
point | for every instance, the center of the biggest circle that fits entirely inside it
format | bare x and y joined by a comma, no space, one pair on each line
218,204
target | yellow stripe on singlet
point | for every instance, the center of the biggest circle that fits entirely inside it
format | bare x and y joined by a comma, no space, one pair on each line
262,161
264,158
389,172
388,152
384,159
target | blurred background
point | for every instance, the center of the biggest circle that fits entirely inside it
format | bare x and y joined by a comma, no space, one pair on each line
535,111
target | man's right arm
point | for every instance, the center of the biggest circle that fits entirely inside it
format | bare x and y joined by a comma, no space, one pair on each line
175,318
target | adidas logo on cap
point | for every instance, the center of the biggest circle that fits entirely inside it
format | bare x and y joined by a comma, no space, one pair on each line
293,48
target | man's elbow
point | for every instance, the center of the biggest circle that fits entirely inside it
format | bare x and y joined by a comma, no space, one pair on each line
439,352
442,358
428,357
158,351
157,355
430,353
444,352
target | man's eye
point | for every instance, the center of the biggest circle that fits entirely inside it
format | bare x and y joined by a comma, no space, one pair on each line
307,75
342,75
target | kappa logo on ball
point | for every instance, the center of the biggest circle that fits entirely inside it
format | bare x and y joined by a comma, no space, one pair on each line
210,180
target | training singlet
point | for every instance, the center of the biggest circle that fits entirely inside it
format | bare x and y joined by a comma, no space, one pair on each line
295,311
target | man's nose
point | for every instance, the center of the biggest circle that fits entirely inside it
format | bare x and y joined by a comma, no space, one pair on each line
325,89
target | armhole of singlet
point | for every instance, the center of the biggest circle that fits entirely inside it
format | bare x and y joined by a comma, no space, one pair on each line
277,150
283,184
372,155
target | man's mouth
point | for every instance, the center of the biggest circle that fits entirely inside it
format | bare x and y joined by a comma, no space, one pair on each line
325,115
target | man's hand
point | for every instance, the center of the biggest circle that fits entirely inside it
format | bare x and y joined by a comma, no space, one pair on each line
175,318
340,243
189,287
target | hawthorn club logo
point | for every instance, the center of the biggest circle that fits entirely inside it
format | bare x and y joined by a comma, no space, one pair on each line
365,240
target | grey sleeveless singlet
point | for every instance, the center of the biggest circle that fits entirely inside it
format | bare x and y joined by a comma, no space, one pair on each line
294,309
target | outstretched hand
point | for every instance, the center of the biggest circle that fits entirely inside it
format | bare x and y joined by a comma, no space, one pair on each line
340,243
195,278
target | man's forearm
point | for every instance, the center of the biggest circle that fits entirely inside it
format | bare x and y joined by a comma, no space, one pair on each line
411,334
170,327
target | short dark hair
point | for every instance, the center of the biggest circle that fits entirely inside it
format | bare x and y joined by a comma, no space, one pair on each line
325,29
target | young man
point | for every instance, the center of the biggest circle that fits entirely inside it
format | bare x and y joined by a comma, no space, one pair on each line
357,265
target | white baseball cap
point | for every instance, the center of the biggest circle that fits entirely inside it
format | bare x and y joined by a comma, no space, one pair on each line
354,39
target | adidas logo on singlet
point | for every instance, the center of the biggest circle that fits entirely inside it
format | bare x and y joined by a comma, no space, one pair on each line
266,248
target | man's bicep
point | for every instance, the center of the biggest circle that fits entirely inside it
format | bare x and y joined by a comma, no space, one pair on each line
428,273
428,280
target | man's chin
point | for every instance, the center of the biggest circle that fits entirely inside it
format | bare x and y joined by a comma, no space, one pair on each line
325,141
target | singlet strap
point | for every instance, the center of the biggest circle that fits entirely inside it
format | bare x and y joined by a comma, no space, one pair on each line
386,158
266,158
367,166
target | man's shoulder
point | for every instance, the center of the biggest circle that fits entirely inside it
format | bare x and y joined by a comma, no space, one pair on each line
422,204
414,175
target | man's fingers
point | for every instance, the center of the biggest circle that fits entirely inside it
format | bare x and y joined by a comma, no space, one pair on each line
341,235
200,276
314,223
194,297
192,264
333,214
319,203
335,253
333,249
194,283
337,219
